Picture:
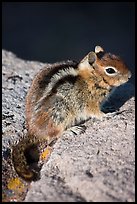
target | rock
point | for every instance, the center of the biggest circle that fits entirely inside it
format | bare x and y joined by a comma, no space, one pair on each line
96,166
17,75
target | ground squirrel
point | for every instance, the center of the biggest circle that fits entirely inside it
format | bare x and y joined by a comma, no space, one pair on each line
62,97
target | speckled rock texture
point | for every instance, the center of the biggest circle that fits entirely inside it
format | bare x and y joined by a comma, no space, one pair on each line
96,166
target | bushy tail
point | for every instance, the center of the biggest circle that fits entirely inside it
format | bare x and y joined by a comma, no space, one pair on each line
25,157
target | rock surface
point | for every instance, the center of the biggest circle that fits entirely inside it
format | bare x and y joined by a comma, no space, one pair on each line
96,166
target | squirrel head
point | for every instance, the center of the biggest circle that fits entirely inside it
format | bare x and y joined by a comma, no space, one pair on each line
107,66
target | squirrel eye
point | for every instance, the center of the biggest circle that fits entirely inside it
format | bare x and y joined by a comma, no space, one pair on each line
110,70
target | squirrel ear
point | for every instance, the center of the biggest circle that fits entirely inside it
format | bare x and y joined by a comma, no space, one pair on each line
92,57
98,49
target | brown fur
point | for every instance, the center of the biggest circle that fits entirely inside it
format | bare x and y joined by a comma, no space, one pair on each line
63,96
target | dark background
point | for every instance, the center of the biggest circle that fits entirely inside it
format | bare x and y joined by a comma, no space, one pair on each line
50,32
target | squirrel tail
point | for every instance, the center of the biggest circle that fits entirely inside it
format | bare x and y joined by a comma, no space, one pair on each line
25,157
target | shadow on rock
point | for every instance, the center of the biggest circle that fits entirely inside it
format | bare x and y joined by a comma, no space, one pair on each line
118,97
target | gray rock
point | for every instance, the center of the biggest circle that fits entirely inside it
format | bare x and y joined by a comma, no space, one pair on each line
96,166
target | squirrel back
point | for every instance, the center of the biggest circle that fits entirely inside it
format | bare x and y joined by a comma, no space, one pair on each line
66,94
